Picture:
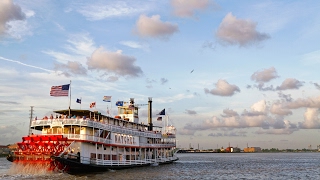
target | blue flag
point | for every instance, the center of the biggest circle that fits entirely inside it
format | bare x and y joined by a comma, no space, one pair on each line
78,101
163,112
119,103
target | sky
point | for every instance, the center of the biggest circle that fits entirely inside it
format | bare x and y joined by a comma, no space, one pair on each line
238,73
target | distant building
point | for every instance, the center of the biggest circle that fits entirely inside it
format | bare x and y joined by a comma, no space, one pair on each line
232,149
252,149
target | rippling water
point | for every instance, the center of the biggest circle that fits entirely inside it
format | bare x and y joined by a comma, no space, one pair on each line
202,166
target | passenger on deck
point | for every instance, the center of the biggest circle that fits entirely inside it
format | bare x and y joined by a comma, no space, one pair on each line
51,116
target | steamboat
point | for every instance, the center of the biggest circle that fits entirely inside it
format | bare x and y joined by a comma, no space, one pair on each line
77,141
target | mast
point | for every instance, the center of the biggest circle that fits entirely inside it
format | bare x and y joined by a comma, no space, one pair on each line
31,113
70,98
150,114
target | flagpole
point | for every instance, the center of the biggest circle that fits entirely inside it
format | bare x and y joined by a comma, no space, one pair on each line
80,101
70,97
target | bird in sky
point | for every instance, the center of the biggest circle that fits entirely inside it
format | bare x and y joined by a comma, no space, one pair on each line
192,71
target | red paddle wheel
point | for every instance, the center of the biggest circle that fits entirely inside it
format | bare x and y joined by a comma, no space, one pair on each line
36,151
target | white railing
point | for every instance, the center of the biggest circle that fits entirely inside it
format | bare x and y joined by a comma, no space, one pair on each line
124,162
90,123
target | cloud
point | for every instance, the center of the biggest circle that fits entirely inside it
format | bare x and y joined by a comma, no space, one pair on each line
280,109
257,117
276,131
103,10
229,113
259,106
191,112
112,79
317,85
303,103
154,27
9,12
114,62
187,8
186,132
72,67
290,83
210,45
285,97
226,134
135,45
223,88
163,81
311,119
9,102
234,31
265,75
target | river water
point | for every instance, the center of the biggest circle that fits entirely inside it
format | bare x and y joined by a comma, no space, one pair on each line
200,166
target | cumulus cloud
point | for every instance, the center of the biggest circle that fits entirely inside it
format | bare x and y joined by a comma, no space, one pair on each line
229,113
258,116
311,119
259,106
71,67
265,75
234,31
304,103
9,12
269,120
223,88
154,27
187,8
280,109
290,83
114,62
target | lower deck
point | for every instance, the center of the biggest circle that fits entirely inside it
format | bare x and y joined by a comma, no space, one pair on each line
98,154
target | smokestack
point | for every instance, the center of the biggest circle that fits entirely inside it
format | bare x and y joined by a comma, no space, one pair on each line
150,114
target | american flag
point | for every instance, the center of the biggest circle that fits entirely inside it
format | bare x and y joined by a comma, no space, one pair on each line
62,90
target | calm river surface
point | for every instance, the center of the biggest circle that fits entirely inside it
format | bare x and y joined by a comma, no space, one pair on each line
202,166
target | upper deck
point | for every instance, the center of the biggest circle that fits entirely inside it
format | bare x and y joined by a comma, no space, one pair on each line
85,118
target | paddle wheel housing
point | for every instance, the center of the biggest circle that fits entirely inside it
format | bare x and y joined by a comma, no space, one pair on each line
37,151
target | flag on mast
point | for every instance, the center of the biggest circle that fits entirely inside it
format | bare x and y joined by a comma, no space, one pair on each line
78,101
62,90
163,112
107,98
93,104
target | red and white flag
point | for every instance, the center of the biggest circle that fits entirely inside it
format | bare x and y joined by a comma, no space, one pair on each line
93,104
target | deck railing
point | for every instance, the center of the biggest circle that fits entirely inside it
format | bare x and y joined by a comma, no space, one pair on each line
125,162
94,124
